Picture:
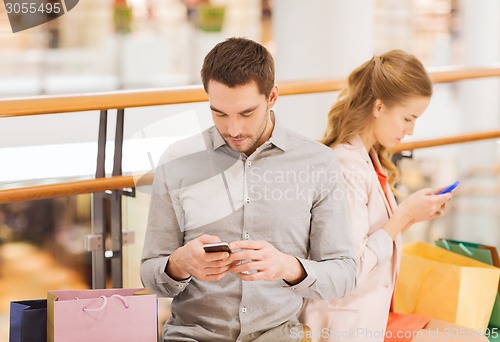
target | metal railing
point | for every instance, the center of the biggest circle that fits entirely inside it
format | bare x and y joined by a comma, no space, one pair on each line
108,191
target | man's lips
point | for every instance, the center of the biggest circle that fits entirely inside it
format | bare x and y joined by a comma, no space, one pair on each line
237,141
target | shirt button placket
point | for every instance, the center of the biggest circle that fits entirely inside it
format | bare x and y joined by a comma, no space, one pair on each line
247,199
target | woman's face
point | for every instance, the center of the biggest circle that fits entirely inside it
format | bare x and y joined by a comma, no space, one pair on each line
392,124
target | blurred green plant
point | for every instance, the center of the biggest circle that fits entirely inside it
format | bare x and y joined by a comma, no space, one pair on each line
210,18
122,16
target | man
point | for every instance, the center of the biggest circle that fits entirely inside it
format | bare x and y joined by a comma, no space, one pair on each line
276,197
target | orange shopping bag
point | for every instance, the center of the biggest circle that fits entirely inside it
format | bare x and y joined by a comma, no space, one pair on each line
444,285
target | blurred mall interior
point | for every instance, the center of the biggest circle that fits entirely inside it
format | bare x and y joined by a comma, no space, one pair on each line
127,45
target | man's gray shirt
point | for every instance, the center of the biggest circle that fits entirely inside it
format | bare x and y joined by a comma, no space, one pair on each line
289,192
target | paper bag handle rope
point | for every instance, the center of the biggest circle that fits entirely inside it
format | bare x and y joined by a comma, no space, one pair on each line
105,302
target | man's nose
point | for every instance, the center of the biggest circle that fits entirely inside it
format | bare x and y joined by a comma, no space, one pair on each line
234,127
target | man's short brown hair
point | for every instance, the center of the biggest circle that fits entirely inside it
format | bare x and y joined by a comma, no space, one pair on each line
238,61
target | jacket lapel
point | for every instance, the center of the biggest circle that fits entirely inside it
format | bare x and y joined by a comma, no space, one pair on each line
358,144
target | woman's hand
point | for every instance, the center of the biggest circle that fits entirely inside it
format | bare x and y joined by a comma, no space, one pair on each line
420,206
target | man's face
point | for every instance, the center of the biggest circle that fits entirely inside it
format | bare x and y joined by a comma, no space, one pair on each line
242,115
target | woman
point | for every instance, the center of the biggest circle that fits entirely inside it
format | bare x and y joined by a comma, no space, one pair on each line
377,109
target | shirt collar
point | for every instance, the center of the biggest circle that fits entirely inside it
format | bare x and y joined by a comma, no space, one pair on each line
217,139
278,136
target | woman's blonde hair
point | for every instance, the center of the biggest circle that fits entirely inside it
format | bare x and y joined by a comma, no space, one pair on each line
393,77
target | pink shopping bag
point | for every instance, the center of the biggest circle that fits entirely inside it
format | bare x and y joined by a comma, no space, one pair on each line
102,315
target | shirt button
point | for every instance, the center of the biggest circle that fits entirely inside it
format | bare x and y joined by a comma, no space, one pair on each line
249,162
244,309
247,199
247,236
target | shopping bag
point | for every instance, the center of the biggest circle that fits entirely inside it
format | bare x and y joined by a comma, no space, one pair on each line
28,321
102,315
444,285
483,253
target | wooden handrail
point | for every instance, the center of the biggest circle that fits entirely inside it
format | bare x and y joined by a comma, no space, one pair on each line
106,100
414,145
454,74
141,98
70,188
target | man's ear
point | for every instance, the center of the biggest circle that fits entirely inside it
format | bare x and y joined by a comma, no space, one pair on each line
273,95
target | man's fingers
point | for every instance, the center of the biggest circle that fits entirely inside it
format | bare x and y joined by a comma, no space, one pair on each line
216,256
206,238
247,244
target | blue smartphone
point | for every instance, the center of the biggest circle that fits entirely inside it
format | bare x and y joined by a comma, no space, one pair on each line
448,188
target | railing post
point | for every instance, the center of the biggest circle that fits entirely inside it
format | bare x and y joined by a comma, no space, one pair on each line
100,209
116,207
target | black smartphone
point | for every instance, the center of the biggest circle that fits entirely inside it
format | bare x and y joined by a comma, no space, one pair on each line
217,247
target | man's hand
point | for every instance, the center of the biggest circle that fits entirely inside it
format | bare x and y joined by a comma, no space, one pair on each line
192,260
259,260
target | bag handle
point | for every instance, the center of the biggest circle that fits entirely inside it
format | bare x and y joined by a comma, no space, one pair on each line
460,245
123,299
105,302
465,249
446,244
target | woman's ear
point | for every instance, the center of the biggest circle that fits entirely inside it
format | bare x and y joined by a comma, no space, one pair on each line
377,107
